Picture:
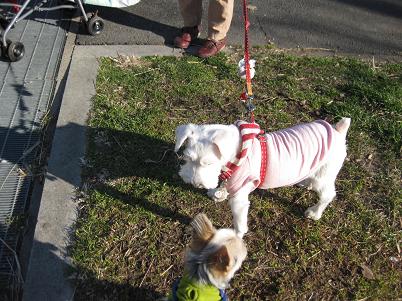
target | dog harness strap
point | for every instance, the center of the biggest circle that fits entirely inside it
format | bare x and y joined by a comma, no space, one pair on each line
174,289
223,295
248,132
242,125
264,157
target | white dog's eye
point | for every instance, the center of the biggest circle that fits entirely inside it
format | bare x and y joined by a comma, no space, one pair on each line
186,158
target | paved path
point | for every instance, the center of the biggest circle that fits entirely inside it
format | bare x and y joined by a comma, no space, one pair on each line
372,27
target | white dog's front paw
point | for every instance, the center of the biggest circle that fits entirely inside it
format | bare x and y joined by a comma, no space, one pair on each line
218,194
241,231
313,213
240,234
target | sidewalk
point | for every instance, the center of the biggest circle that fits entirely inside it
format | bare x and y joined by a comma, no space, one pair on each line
338,26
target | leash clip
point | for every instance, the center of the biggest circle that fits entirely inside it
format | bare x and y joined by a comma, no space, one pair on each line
250,107
248,101
248,104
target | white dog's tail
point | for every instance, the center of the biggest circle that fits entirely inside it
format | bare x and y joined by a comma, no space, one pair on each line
342,126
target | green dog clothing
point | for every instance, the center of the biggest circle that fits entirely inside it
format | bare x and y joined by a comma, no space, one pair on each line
186,289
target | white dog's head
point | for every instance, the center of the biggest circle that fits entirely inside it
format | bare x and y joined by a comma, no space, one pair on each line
207,149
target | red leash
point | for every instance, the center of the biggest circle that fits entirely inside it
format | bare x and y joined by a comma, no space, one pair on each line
247,96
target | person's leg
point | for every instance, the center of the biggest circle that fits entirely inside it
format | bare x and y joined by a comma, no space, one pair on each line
220,13
191,11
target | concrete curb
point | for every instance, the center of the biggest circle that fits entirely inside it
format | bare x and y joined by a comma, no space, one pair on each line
47,277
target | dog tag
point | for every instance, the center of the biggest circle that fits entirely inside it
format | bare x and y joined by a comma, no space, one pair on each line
220,194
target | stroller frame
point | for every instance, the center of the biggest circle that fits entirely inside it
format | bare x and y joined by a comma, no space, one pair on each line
14,51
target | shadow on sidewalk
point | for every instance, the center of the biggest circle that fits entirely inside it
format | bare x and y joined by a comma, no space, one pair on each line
129,19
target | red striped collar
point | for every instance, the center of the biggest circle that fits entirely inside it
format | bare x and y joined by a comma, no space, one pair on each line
248,132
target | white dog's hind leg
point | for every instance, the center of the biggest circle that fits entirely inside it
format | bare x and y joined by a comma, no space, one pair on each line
323,182
326,194
239,205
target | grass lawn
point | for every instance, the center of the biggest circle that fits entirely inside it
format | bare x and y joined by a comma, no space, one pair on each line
133,225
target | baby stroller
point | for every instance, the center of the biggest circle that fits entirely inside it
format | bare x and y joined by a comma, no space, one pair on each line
15,51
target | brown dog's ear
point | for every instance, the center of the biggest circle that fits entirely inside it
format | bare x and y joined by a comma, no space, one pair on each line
220,260
203,231
182,133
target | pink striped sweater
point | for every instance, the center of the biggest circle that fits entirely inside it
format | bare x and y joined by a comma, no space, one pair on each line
292,154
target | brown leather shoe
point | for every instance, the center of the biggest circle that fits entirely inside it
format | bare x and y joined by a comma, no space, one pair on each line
187,35
211,47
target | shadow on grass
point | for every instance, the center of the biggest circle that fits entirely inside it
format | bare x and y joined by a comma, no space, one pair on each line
95,289
70,287
117,155
144,203
290,205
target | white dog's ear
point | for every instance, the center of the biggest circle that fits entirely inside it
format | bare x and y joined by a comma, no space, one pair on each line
182,133
222,139
203,231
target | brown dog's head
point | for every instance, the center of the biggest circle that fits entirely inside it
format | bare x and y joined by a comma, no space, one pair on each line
213,255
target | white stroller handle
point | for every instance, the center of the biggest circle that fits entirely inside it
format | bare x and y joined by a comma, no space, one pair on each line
112,3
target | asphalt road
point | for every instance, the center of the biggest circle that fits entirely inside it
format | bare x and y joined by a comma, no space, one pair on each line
371,27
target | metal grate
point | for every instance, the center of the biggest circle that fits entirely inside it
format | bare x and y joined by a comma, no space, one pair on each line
25,92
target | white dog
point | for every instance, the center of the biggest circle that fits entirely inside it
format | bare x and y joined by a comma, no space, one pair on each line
308,154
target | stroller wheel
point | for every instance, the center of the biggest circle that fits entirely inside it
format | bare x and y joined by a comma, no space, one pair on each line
95,25
15,51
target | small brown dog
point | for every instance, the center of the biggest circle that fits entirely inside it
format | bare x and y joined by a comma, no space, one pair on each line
211,261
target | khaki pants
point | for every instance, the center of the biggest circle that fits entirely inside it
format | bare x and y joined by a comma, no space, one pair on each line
220,13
